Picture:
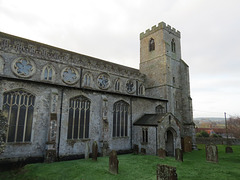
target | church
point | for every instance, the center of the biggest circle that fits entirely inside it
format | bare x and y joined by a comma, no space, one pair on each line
57,102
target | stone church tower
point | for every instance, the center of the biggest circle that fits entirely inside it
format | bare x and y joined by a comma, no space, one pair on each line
167,74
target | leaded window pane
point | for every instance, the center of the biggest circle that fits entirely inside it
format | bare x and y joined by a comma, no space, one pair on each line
20,115
120,119
79,118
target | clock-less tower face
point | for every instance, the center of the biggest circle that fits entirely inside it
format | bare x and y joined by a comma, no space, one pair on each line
103,81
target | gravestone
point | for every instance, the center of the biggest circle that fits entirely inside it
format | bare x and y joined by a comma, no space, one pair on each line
105,149
94,151
179,154
143,151
211,153
135,149
113,162
165,172
161,153
187,141
228,149
87,150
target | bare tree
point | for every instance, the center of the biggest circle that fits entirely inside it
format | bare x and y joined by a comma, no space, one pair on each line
3,131
233,126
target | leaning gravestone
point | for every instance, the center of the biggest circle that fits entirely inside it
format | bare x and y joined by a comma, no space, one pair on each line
165,172
113,162
229,149
179,154
94,151
161,153
135,149
212,153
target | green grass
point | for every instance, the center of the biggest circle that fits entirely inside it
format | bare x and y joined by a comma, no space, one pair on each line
135,167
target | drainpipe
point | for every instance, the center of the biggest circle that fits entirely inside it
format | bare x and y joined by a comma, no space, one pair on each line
131,122
60,124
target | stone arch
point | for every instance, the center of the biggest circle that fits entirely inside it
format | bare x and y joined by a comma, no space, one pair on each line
170,141
87,79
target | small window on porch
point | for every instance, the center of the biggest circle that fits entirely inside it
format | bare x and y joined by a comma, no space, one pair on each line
144,135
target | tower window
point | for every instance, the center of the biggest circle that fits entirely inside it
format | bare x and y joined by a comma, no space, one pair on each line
173,46
151,44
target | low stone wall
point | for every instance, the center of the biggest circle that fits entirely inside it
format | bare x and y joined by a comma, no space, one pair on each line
202,140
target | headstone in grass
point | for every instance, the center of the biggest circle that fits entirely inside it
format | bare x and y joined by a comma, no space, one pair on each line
113,162
143,151
87,150
94,151
165,172
161,153
211,153
228,149
135,149
179,154
187,144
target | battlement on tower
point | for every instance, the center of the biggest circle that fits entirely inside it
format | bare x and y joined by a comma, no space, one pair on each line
161,25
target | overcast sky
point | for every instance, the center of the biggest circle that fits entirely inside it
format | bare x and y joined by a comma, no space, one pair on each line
109,30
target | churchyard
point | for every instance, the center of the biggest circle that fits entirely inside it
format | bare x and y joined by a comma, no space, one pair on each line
194,166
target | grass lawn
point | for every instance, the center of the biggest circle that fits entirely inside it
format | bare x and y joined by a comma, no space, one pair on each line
135,167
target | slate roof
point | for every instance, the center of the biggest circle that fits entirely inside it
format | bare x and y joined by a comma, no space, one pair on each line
149,120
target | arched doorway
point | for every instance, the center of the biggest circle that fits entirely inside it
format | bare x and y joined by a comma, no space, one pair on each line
170,143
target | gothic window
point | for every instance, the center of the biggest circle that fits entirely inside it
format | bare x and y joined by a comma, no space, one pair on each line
144,135
103,81
141,90
1,65
130,86
18,107
117,85
173,47
78,118
160,109
48,73
151,44
70,75
120,119
87,79
23,67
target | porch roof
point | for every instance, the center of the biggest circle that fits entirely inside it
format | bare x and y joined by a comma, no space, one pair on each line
149,120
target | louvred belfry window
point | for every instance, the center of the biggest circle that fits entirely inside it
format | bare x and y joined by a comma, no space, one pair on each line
18,106
79,117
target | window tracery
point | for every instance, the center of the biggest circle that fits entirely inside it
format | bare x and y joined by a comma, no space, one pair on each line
18,106
70,75
23,67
